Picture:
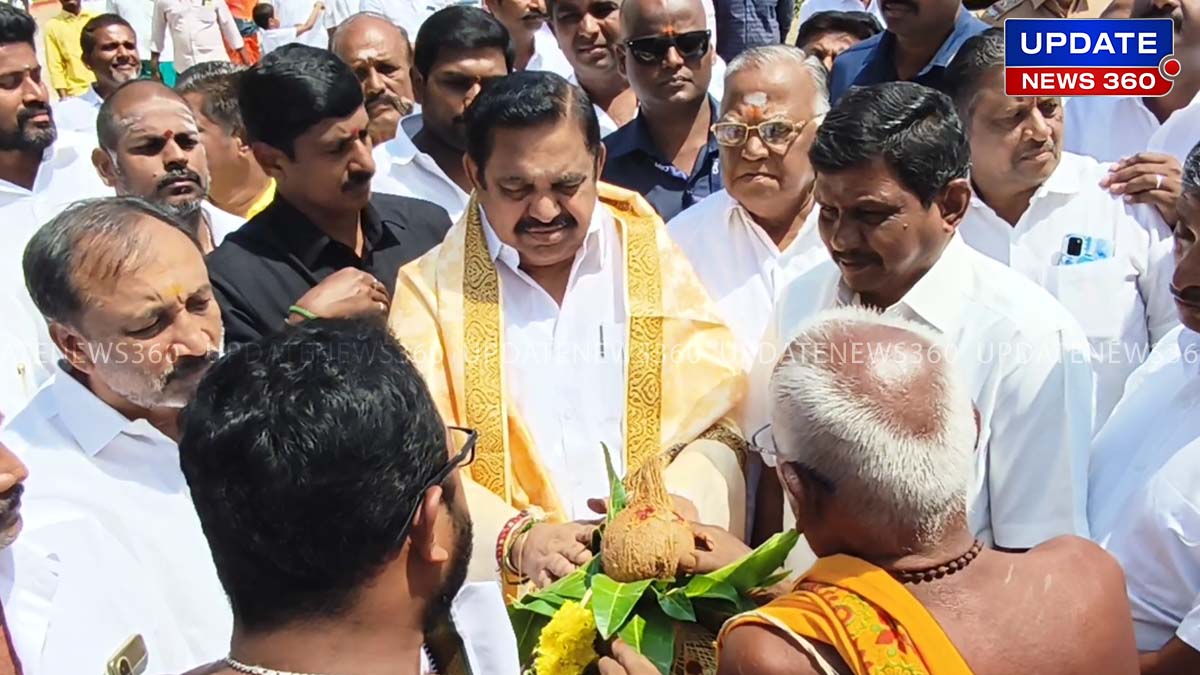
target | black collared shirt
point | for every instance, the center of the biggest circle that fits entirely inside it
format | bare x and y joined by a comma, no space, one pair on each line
634,163
279,255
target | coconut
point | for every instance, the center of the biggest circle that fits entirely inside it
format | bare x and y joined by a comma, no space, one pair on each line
647,540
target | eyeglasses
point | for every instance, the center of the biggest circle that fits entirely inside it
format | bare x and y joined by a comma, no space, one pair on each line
653,49
763,442
464,457
776,133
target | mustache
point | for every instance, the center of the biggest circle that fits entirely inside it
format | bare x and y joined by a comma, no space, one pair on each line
535,16
29,111
1189,294
178,174
901,3
356,180
562,220
188,366
391,100
1033,149
10,501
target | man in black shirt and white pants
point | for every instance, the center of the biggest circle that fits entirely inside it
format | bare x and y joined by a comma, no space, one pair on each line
326,247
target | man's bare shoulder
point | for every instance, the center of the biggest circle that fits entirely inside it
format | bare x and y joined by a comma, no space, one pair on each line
752,648
1068,550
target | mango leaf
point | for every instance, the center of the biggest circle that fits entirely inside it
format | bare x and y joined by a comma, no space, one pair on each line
774,579
652,634
704,587
571,587
613,602
528,628
677,605
759,565
617,499
543,606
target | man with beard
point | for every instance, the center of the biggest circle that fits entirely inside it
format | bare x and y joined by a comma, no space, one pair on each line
326,593
891,166
459,50
379,53
556,316
124,290
326,247
238,184
150,148
921,38
110,52
38,177
667,152
64,57
533,43
1155,134
1031,200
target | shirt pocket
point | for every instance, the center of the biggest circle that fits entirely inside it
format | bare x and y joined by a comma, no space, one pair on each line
1100,295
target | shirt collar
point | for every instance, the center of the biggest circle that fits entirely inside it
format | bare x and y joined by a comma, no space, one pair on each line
1189,349
401,149
92,422
58,156
594,240
635,136
936,298
296,233
738,216
964,23
1064,180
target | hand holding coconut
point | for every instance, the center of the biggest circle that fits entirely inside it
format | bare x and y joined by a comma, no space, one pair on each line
551,551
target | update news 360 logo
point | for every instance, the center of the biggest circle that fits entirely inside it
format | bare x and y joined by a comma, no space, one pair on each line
1089,57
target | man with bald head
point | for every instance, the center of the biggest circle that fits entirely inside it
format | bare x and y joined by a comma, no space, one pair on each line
150,148
380,55
858,394
667,152
749,240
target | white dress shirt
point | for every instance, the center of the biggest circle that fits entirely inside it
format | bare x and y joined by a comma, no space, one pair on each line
221,222
73,597
292,13
740,266
410,14
78,113
199,31
1123,303
1180,133
547,55
1111,128
125,474
65,175
565,366
1157,417
402,169
1156,544
1024,360
140,15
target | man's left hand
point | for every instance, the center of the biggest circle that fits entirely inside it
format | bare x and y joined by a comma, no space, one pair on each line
1148,178
626,661
715,548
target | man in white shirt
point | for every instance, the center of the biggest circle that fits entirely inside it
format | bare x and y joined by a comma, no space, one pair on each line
535,45
110,52
459,49
1146,471
381,57
125,291
150,148
140,15
41,171
378,585
1043,213
749,241
298,12
586,288
199,31
892,163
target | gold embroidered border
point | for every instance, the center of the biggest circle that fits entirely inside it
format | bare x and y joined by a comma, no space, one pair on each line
482,343
723,434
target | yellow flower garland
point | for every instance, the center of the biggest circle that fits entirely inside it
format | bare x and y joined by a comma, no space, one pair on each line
566,645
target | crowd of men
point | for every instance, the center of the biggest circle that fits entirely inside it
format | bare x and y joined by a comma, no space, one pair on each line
316,318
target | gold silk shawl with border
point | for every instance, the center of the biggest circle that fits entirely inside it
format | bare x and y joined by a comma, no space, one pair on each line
683,377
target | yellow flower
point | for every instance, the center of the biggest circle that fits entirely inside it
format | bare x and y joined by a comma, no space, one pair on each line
565,646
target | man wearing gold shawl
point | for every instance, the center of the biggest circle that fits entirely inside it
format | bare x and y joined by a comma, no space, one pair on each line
557,316
874,436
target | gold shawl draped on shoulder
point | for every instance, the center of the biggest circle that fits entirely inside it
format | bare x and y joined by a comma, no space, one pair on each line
683,378
872,620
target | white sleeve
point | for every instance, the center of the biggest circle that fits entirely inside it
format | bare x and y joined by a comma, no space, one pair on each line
1040,442
1154,284
158,28
1189,628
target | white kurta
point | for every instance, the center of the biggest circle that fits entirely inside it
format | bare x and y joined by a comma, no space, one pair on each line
402,169
1024,360
1123,303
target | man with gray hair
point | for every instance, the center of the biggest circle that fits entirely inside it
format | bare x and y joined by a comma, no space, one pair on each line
874,440
126,294
748,241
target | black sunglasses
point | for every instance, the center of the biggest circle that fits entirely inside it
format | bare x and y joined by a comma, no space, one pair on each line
464,458
653,49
